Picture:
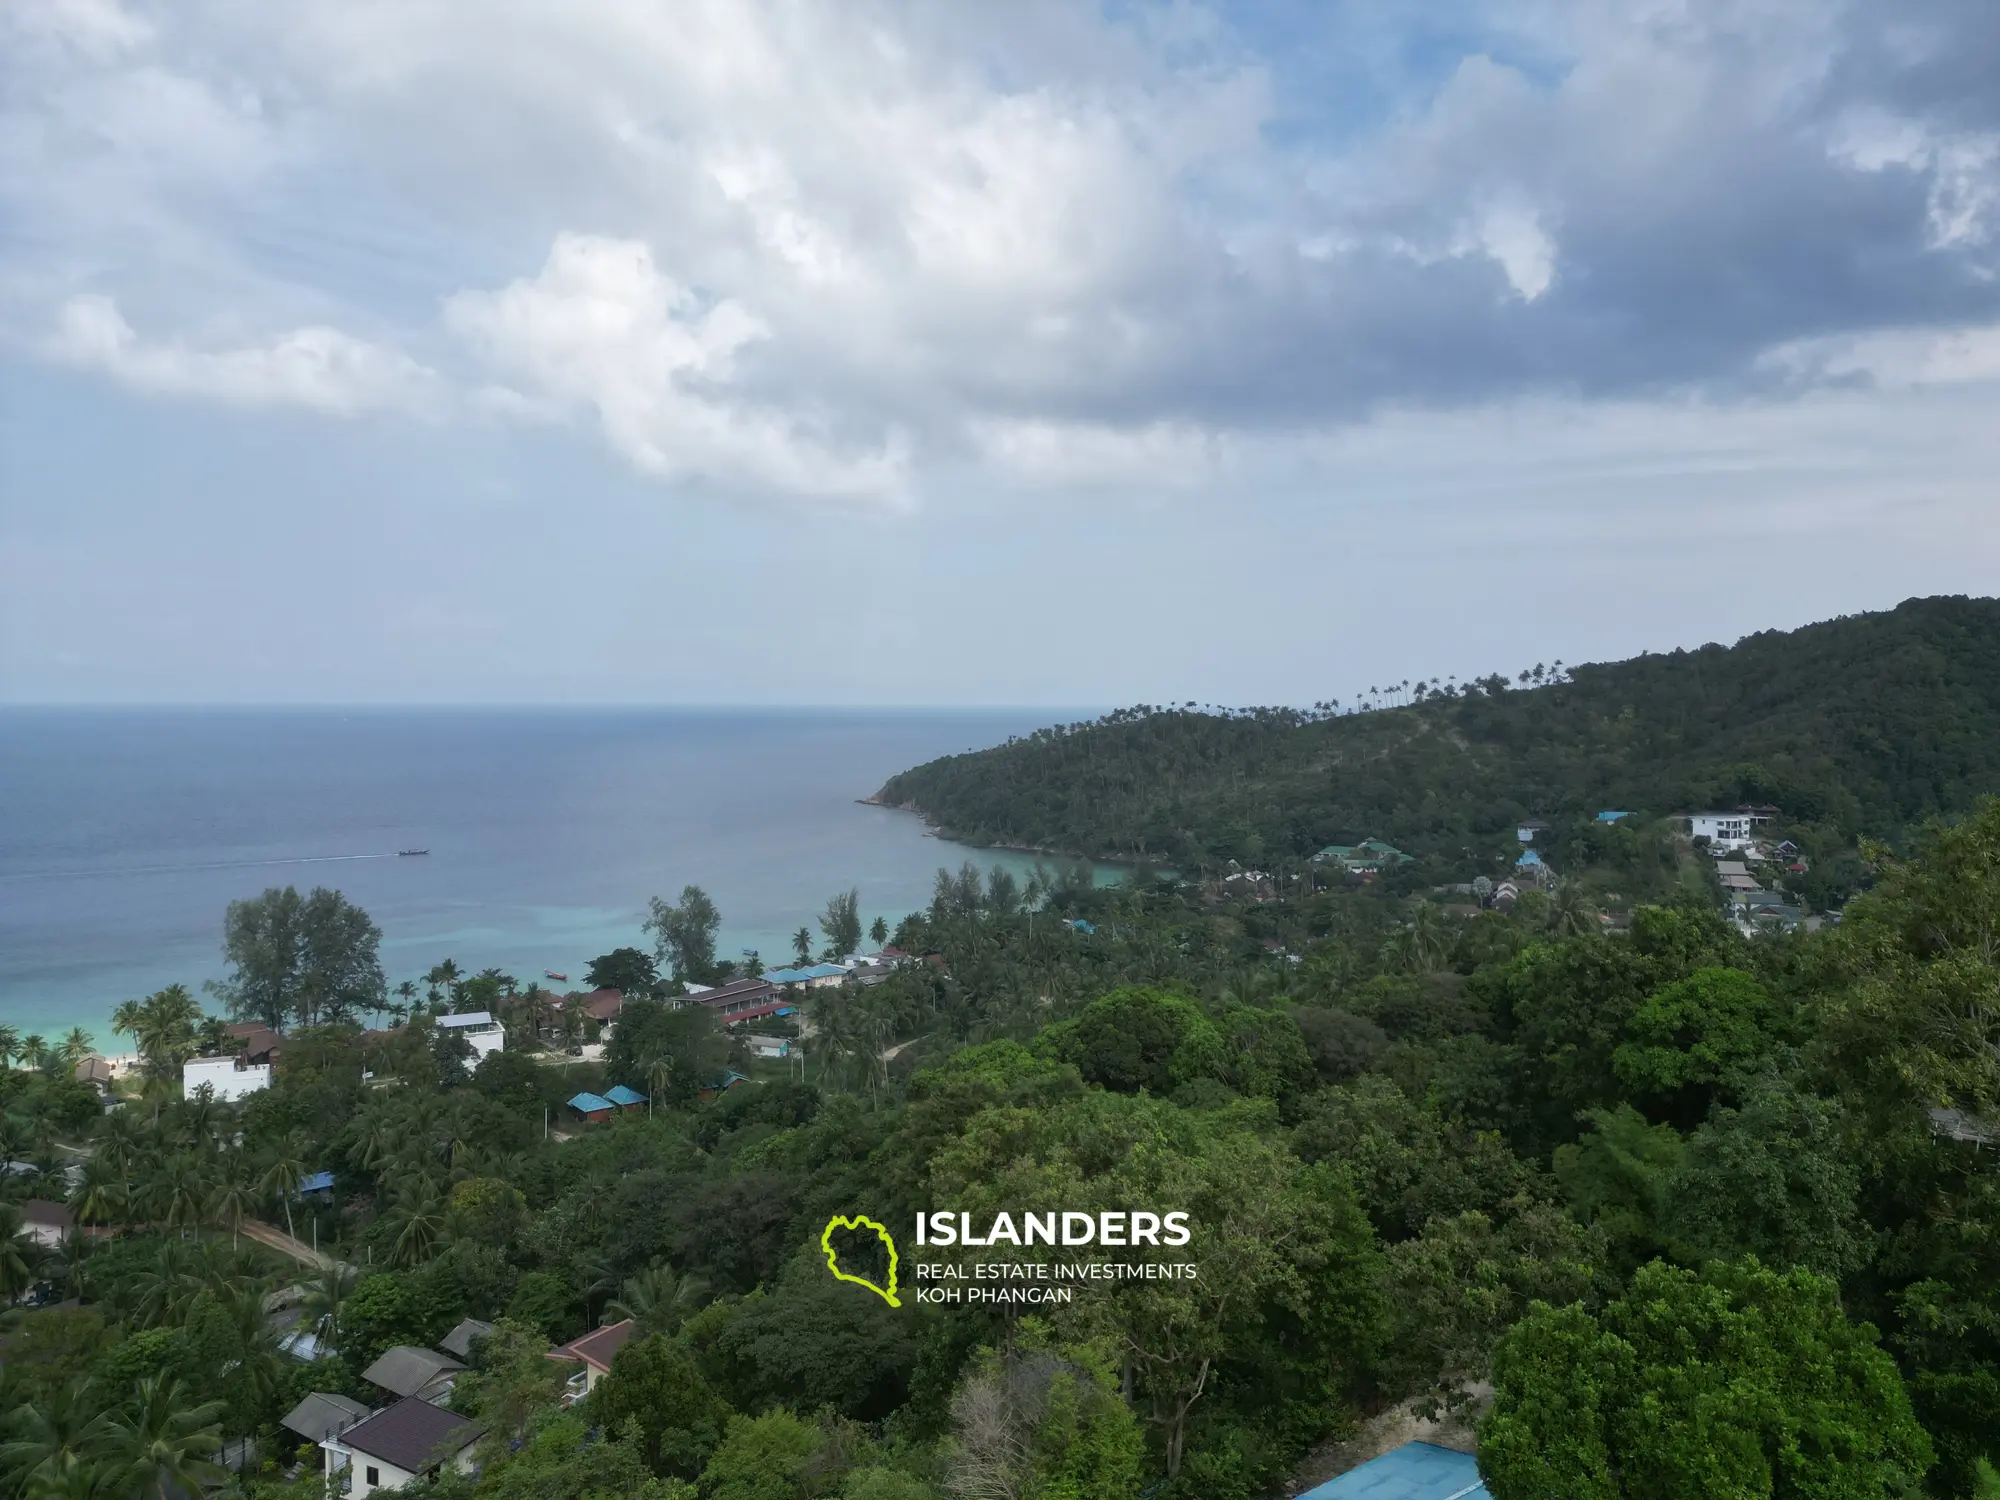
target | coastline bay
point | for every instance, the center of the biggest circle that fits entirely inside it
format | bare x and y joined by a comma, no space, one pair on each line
125,833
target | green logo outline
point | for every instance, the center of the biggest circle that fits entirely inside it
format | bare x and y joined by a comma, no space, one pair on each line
860,1221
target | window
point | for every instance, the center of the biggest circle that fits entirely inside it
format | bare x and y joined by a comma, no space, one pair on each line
374,1476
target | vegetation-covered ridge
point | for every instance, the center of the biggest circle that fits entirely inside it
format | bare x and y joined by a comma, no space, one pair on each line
1869,723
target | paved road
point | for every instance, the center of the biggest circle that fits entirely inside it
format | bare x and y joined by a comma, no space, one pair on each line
273,1238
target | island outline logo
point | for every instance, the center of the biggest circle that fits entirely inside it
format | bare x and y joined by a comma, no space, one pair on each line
858,1222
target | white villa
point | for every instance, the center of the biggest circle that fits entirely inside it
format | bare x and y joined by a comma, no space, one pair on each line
226,1078
479,1028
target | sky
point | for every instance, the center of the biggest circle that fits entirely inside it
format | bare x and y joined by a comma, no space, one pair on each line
1040,353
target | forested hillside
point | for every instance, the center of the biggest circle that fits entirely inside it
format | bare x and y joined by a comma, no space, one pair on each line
1866,724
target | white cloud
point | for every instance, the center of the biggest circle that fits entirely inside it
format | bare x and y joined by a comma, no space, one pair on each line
601,327
319,368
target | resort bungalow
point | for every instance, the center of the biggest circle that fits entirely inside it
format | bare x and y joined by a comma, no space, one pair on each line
479,1028
593,1107
624,1098
594,1351
720,1085
1525,831
1611,815
227,1079
743,1000
94,1073
410,1440
1364,858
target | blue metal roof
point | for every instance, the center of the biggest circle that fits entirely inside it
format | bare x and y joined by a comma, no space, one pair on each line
1528,857
800,976
619,1094
1611,817
1415,1471
590,1103
316,1182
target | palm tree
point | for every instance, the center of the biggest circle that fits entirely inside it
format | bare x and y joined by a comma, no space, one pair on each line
21,1258
10,1044
235,1195
180,1192
55,1444
33,1050
417,1217
658,1299
802,946
326,1297
160,1444
100,1196
75,1046
1573,914
443,977
284,1168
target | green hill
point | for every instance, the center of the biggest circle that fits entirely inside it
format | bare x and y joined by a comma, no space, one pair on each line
1868,724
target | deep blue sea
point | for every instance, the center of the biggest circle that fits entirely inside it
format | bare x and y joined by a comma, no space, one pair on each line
124,833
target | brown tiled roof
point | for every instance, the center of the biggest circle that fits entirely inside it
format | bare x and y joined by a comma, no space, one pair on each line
413,1435
603,1005
598,1346
93,1069
41,1211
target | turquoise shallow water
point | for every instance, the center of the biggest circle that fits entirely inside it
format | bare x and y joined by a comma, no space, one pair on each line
125,833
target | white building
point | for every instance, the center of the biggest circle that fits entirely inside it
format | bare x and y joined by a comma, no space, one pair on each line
479,1028
1726,830
396,1445
227,1078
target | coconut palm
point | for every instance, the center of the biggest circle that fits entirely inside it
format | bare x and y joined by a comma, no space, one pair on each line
21,1259
234,1197
659,1299
10,1044
55,1443
100,1195
180,1191
75,1046
161,1441
326,1298
1572,913
284,1169
416,1218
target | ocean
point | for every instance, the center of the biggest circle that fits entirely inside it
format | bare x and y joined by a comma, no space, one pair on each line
124,833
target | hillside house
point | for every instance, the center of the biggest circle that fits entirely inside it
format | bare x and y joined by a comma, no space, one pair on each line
458,1343
94,1073
1415,1471
594,1108
744,1000
1612,815
411,1440
626,1099
1728,830
811,976
594,1351
1525,831
323,1415
1364,858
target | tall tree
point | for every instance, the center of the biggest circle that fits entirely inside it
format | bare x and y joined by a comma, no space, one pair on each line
631,971
841,922
304,960
684,934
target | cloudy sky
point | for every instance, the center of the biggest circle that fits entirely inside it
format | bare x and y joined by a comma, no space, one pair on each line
720,351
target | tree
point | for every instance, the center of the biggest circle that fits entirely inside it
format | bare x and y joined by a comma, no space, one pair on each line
667,1052
1043,1423
802,946
627,970
300,960
659,1299
841,922
284,1170
878,932
159,1444
655,1387
164,1026
1700,1040
1737,1381
684,934
762,1458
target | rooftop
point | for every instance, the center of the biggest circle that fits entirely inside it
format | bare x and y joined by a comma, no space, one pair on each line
597,1347
476,1018
458,1342
590,1103
413,1435
321,1415
1415,1471
619,1094
405,1369
800,976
